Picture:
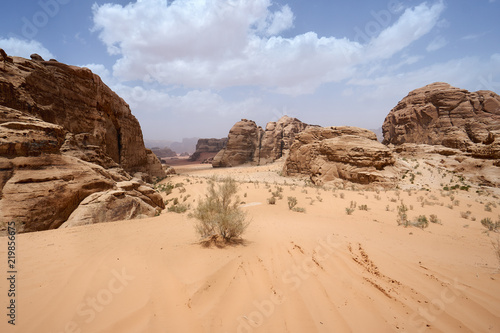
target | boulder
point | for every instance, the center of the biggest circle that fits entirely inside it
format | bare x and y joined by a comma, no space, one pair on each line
340,153
439,114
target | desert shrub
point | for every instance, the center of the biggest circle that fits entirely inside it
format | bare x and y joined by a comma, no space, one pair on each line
434,219
320,199
178,208
342,195
292,202
349,210
402,216
496,247
490,225
271,201
299,209
363,207
465,215
421,222
277,194
219,214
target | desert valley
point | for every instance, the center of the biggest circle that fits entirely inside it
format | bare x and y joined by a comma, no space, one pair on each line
345,233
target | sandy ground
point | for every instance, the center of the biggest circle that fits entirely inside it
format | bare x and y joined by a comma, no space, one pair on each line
318,271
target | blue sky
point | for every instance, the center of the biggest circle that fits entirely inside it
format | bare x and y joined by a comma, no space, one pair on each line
192,68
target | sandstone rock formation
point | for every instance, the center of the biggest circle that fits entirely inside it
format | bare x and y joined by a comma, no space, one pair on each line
64,135
248,143
279,137
163,152
208,148
242,145
347,153
439,114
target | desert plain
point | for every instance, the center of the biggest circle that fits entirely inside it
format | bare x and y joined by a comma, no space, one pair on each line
333,268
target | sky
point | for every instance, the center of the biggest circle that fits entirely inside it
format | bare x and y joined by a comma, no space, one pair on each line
192,68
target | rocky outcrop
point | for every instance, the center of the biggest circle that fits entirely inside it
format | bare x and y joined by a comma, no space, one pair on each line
208,148
340,153
248,143
439,114
64,136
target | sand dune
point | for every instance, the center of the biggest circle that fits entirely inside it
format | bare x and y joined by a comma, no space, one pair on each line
318,271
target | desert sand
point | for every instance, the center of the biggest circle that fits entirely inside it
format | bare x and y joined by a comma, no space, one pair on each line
318,271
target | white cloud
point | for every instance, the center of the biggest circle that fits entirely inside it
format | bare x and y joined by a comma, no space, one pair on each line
412,25
22,48
436,44
217,44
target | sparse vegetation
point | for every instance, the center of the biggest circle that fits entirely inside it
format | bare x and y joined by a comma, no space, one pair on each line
219,214
490,225
421,222
402,216
434,219
349,210
271,201
292,202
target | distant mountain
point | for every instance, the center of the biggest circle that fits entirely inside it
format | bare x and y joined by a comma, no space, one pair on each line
188,145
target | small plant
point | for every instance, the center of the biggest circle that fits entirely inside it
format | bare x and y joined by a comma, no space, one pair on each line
434,219
363,207
465,215
271,201
342,195
178,208
402,216
292,202
320,199
299,209
490,225
421,222
219,214
349,210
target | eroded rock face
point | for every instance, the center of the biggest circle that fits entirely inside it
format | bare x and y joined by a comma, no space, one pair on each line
78,101
248,143
439,114
340,153
279,137
65,136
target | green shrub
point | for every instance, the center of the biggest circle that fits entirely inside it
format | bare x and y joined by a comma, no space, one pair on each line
271,201
219,214
349,211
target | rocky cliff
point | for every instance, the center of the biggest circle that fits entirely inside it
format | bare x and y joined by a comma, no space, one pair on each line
439,114
65,135
249,143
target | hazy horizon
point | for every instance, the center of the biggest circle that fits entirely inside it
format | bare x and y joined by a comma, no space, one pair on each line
193,68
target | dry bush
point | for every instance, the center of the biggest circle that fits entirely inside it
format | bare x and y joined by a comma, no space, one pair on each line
218,214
